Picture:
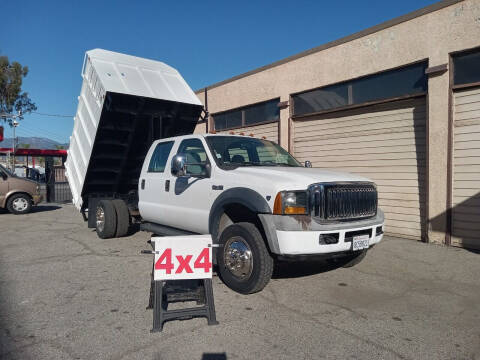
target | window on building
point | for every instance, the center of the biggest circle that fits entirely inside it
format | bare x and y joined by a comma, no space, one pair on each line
466,68
228,120
264,112
408,80
160,157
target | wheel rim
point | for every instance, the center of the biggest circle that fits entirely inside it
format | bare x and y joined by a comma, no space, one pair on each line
20,204
238,258
100,219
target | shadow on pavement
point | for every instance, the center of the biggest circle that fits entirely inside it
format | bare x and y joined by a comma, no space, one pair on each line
42,208
36,209
296,269
214,356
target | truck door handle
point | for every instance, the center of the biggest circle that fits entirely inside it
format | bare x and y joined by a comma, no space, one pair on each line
167,185
143,184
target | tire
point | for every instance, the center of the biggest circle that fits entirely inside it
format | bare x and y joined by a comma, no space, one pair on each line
123,217
108,228
254,275
355,259
19,204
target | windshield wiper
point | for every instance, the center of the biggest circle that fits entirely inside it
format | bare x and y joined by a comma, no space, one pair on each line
250,163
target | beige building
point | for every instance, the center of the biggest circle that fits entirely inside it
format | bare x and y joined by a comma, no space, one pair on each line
398,103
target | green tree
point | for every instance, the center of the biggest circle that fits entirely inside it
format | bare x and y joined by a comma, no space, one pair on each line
12,100
24,146
60,147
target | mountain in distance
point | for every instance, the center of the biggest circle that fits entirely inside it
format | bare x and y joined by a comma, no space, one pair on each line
35,143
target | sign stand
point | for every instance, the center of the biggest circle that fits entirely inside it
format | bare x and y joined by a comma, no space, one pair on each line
165,292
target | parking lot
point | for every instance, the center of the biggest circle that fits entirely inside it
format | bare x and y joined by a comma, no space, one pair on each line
65,294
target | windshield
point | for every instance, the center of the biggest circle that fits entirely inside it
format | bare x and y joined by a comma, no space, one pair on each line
5,170
235,151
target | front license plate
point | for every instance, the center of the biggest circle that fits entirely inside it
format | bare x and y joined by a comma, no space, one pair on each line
360,242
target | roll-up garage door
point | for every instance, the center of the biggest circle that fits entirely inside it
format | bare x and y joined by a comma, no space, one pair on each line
385,143
466,169
269,131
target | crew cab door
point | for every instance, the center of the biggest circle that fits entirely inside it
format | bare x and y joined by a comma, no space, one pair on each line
153,184
189,200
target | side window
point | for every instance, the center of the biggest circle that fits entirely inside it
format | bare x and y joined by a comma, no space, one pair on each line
195,153
160,157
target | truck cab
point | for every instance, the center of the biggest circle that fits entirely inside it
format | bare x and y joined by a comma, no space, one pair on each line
258,202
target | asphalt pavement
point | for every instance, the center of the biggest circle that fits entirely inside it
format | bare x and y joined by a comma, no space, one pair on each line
66,294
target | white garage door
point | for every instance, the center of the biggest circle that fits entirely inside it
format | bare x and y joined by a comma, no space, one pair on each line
269,131
466,169
385,143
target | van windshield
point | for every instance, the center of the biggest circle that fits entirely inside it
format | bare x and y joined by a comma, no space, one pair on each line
235,151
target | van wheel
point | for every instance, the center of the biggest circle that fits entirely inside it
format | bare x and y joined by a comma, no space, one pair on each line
19,204
106,219
244,262
123,217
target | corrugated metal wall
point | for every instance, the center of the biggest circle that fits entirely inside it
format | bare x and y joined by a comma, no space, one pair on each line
466,169
385,143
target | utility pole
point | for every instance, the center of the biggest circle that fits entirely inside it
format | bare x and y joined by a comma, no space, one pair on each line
15,124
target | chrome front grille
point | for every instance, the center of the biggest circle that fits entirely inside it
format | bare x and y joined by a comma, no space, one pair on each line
345,201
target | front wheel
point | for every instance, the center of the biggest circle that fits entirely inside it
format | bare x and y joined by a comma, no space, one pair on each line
19,204
244,262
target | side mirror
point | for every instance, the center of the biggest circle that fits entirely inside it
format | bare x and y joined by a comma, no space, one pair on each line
308,164
4,177
179,165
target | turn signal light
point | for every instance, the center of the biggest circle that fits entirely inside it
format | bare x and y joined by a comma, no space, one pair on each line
277,205
295,210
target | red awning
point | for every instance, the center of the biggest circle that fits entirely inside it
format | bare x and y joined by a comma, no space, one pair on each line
35,152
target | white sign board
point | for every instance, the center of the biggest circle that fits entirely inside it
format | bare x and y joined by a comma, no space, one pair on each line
182,257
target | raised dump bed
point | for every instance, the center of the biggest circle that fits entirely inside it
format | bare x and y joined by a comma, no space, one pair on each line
125,104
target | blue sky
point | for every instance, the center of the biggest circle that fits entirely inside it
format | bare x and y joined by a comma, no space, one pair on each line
207,41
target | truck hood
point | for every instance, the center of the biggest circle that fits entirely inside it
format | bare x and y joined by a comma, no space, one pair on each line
294,178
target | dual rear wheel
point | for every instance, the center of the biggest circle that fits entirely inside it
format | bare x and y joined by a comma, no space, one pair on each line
112,218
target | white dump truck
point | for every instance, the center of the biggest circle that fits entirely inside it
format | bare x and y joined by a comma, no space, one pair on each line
133,158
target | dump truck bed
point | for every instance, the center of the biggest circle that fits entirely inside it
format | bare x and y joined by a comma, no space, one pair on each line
125,104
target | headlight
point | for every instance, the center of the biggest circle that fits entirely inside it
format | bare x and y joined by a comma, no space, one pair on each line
290,203
38,189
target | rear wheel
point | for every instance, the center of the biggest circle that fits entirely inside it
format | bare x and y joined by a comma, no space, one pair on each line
19,204
123,217
244,262
106,219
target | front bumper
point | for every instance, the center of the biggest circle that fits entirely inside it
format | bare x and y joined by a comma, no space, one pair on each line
299,235
37,199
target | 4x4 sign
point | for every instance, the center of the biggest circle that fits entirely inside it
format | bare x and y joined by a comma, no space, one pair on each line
182,257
